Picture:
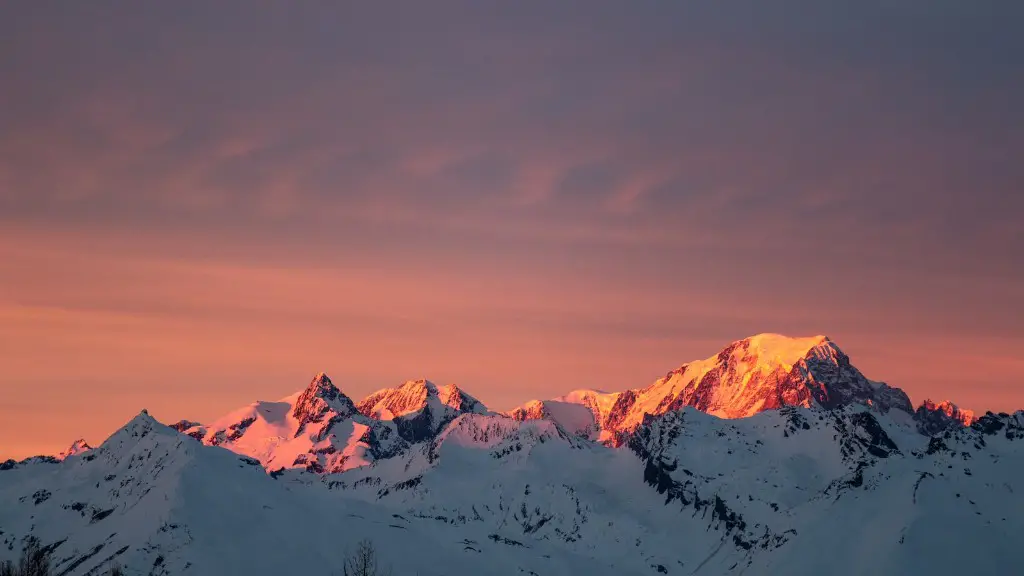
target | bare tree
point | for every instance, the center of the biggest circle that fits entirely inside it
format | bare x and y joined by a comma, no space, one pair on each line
363,562
33,562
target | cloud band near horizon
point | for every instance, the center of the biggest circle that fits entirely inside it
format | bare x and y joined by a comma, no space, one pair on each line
202,204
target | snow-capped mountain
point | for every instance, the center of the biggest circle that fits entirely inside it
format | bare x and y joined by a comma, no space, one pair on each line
788,491
318,429
763,372
419,408
77,447
935,418
322,430
580,411
816,470
159,503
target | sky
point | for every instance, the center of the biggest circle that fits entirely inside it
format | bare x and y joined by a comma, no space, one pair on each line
205,204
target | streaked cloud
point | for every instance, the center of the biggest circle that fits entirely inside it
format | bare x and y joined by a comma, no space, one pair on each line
530,197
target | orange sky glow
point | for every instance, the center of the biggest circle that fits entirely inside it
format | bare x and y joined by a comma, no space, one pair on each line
196,215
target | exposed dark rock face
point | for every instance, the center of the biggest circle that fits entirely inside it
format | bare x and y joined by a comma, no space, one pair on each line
418,426
620,410
183,425
933,419
319,398
868,433
236,430
419,408
834,382
682,486
1010,425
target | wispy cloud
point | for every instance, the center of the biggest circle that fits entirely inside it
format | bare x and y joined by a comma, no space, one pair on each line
507,195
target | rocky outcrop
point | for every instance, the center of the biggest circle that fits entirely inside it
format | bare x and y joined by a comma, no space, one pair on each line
935,418
419,408
320,398
77,447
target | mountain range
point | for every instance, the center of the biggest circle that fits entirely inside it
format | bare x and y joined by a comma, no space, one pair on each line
774,456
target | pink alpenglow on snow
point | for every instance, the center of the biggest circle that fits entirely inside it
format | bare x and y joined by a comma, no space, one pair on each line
322,430
77,447
933,418
763,372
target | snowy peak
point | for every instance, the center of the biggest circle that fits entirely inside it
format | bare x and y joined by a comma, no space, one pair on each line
319,398
762,372
129,435
770,352
779,349
579,416
965,417
77,447
142,422
321,430
532,410
415,395
419,408
317,429
455,398
321,386
389,403
768,371
935,418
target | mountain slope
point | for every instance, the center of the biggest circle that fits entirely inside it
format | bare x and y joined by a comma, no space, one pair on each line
822,471
318,429
159,503
935,418
851,490
420,408
788,491
753,494
77,447
322,430
763,372
576,418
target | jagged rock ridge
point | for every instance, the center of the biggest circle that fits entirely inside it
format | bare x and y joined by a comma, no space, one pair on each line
420,408
935,418
763,372
318,429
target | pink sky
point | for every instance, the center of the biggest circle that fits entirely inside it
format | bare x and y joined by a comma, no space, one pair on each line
91,334
204,207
